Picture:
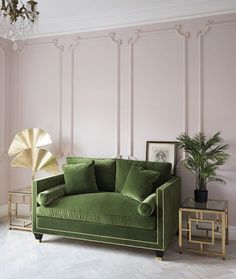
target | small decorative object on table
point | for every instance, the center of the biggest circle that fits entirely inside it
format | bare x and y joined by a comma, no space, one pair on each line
202,224
203,157
161,151
28,154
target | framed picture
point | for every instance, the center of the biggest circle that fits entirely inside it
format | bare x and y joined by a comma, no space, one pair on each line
162,151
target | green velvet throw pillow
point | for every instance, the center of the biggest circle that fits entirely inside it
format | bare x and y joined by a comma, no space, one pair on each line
123,167
139,183
80,178
148,206
51,195
105,171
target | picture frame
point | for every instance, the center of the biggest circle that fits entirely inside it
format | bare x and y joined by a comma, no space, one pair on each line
162,151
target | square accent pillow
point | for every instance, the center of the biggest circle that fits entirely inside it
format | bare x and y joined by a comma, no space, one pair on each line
139,183
123,167
105,171
80,178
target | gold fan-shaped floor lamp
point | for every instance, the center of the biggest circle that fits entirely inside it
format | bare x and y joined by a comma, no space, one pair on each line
26,145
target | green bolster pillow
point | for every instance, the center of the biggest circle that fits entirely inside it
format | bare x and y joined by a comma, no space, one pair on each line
50,195
148,206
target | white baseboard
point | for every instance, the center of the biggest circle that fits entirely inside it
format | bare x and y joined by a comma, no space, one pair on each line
3,210
232,232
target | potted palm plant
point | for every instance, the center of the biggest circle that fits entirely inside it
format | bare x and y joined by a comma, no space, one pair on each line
203,157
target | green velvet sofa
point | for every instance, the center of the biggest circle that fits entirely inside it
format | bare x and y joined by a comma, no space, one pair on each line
107,216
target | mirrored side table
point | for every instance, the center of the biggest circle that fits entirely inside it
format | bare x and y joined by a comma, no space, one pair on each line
19,209
203,227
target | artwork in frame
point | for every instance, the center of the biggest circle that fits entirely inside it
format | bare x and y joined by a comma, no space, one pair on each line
162,151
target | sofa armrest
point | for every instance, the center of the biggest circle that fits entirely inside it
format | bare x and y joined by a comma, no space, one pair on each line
41,185
46,183
168,203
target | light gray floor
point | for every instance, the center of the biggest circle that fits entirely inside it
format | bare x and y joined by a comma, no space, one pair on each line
23,257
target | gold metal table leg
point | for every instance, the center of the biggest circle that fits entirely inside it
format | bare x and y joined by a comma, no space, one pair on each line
9,211
180,231
227,227
223,234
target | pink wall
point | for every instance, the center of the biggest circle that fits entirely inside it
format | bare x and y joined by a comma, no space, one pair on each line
105,94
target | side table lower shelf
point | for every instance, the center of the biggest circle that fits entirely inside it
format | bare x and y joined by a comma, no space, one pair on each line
17,198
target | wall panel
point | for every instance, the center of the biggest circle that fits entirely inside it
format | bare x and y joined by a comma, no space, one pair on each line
96,97
158,104
219,98
40,89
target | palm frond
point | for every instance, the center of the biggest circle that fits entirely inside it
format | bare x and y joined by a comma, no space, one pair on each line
203,155
215,139
217,179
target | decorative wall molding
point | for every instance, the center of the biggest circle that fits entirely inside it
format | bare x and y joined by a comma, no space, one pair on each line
20,53
61,49
118,43
200,36
73,48
201,33
3,103
185,36
131,41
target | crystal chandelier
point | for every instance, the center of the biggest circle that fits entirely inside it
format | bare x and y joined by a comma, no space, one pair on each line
17,19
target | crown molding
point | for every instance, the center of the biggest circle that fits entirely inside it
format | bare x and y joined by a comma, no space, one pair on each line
178,10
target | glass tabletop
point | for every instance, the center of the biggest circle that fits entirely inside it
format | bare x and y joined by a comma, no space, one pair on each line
219,205
26,190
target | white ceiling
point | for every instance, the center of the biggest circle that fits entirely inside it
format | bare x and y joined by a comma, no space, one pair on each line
69,16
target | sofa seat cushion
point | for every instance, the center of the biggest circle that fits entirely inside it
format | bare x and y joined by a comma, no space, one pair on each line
101,208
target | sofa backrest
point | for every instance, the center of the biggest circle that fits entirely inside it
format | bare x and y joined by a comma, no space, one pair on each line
123,167
112,173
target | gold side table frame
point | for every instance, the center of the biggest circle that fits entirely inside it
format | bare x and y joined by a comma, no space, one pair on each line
210,219
18,198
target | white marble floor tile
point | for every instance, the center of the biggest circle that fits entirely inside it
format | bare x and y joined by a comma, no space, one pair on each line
21,256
